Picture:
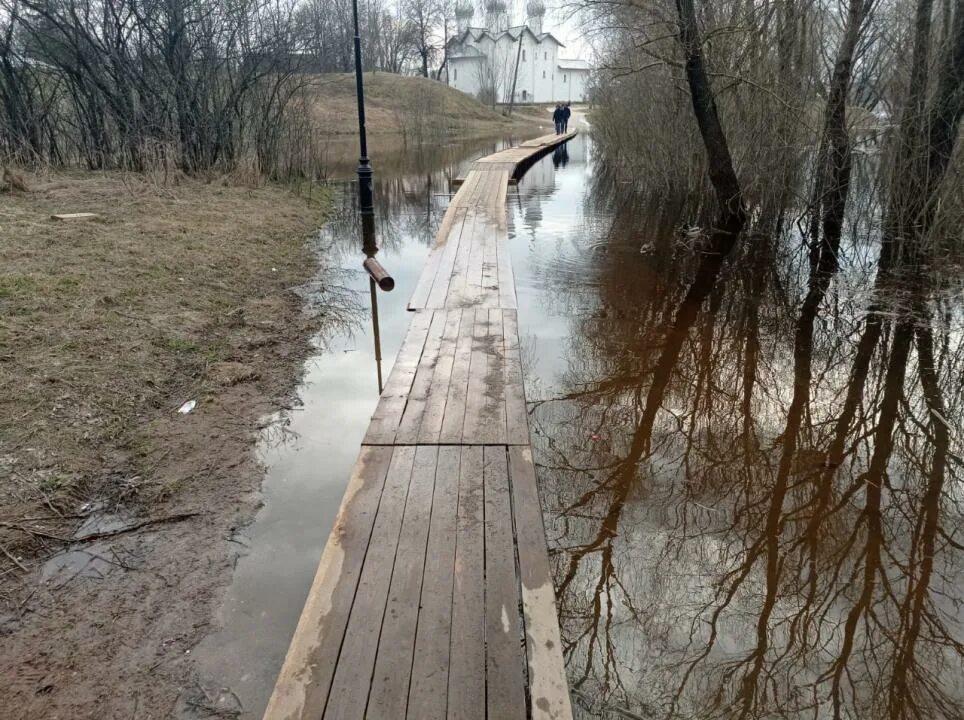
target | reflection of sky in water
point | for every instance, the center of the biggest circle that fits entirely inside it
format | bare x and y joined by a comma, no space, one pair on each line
652,520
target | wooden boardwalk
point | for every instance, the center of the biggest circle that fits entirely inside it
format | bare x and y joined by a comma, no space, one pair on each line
433,598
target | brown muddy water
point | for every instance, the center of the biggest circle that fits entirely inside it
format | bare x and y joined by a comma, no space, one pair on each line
753,504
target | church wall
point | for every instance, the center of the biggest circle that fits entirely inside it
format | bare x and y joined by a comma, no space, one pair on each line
539,80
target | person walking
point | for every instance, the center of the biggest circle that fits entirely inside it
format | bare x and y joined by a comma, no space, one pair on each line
557,118
566,112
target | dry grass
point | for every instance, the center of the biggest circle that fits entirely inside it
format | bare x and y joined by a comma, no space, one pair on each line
107,325
401,103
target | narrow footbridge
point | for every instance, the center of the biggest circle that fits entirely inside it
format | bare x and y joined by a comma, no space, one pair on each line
433,597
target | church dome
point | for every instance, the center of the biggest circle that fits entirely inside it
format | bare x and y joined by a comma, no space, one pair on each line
495,7
536,8
464,10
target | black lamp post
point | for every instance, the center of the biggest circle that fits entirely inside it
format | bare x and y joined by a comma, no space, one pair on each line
366,199
365,193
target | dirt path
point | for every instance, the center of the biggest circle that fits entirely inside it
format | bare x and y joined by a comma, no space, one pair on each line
107,328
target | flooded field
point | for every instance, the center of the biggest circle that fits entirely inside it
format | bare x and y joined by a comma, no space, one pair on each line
750,479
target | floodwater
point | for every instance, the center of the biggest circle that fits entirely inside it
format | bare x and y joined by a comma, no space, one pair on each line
753,504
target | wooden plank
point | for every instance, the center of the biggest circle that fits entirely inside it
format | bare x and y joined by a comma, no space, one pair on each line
507,296
423,383
440,257
466,684
499,195
454,418
396,644
548,687
427,698
477,386
516,415
305,679
490,295
493,415
485,397
461,198
504,662
446,270
471,291
458,279
391,405
434,411
356,662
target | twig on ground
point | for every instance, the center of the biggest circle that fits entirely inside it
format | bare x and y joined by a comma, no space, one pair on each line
13,558
177,517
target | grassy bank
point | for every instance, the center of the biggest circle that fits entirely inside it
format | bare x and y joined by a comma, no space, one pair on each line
411,106
107,327
108,324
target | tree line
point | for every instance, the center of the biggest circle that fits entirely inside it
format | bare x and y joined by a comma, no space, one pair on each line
194,85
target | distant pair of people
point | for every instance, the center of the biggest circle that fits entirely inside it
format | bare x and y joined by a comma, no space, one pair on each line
560,116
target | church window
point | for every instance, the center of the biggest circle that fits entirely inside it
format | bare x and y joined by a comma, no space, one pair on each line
523,56
455,74
543,74
545,56
563,77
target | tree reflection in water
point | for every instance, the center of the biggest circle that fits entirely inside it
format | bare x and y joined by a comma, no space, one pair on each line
753,501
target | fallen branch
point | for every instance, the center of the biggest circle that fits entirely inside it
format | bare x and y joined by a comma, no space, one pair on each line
178,517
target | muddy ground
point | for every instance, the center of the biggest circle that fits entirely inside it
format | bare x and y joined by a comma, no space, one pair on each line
117,512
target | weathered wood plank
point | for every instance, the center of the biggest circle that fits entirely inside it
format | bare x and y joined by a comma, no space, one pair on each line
305,679
446,270
473,428
516,415
396,645
466,684
493,414
504,662
423,384
454,418
548,687
459,279
506,278
462,198
430,669
490,295
472,289
439,263
485,397
435,406
356,661
391,405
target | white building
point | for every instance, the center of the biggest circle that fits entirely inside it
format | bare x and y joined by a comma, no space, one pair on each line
486,61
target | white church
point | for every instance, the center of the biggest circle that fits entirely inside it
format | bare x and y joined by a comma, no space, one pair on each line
487,62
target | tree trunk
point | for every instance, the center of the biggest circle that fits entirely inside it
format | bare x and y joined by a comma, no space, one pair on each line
731,215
